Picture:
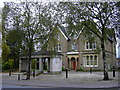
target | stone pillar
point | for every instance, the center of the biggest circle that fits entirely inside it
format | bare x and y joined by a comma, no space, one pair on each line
51,64
40,64
61,63
35,63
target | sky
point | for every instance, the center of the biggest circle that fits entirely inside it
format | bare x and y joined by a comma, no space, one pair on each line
2,1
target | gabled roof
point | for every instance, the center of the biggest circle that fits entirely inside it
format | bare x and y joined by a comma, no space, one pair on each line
64,31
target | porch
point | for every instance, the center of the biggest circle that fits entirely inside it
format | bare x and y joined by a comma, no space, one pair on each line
42,62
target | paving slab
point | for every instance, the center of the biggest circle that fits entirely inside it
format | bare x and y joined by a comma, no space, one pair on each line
74,80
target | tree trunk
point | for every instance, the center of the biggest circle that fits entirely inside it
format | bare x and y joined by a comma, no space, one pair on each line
106,77
29,64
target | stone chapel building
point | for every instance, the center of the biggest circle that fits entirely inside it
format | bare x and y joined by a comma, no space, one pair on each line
75,52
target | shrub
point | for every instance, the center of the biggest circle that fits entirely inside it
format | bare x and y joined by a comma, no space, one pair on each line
63,69
81,69
8,64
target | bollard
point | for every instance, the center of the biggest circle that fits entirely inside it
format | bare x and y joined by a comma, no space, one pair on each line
66,73
33,73
18,76
90,69
113,71
9,72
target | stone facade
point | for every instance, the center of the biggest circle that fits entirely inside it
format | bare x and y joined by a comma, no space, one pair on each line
78,52
0,50
0,44
118,47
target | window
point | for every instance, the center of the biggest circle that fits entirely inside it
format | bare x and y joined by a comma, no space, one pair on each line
75,36
90,60
74,46
58,37
90,45
58,48
93,45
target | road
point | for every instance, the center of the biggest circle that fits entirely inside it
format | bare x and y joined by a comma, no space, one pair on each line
18,87
14,86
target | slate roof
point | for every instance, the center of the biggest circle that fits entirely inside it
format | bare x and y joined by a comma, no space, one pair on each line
63,30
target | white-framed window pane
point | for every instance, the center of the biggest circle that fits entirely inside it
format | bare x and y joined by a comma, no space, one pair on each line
87,45
91,57
59,47
95,57
90,60
74,46
87,58
87,62
94,45
95,62
90,47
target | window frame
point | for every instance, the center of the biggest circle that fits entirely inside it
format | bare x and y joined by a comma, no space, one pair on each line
88,45
74,46
58,47
85,61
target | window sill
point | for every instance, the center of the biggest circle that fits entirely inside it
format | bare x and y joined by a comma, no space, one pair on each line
90,49
90,65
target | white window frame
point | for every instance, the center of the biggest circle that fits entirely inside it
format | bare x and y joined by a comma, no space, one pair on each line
85,60
87,43
59,47
74,46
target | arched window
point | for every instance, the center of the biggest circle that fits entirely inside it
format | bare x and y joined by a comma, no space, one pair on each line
58,48
87,45
90,60
74,46
90,45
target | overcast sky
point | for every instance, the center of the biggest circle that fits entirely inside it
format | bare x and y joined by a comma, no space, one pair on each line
2,1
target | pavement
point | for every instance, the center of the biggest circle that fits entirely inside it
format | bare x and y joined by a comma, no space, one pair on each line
74,80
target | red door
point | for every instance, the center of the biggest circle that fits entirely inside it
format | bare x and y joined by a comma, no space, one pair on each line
74,65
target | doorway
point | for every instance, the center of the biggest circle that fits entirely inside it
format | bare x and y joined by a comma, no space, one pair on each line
73,63
46,64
